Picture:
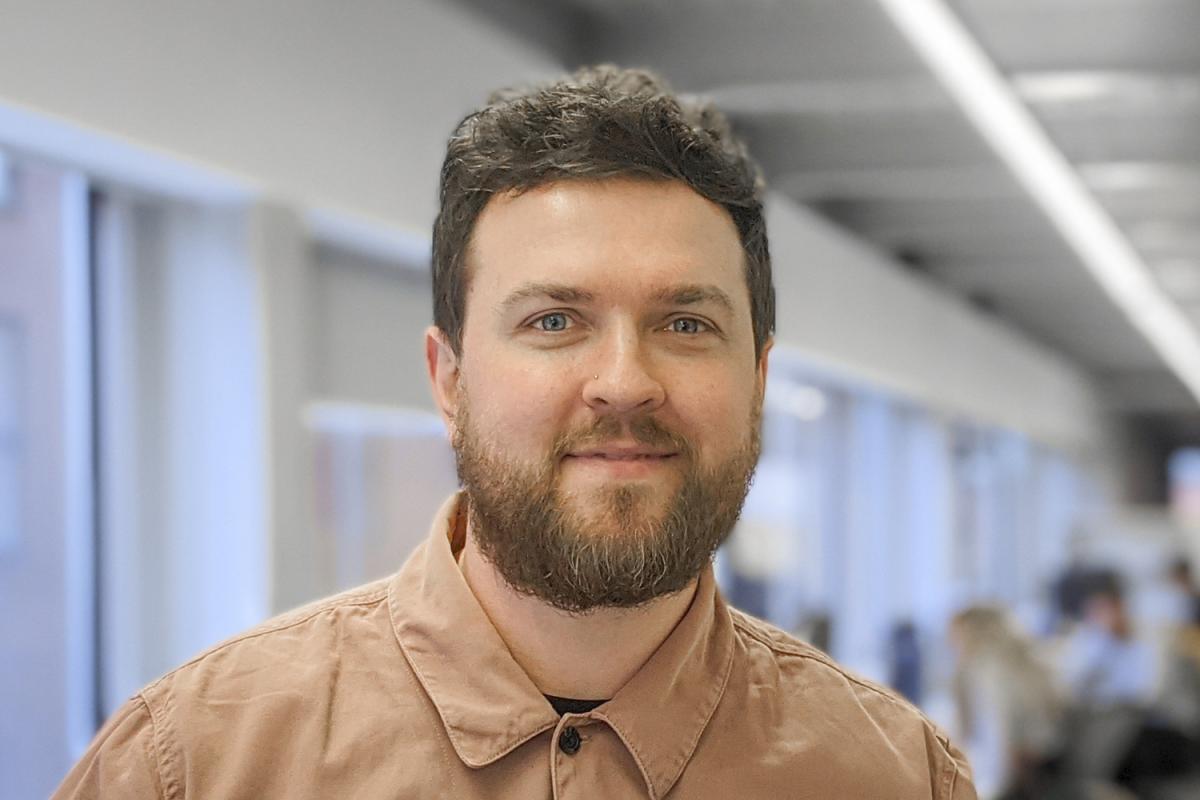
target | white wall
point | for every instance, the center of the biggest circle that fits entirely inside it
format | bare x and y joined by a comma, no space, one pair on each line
338,105
842,305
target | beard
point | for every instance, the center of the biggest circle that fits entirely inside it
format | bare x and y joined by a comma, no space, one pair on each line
627,545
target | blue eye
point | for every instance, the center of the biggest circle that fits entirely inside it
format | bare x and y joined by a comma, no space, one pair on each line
551,323
687,325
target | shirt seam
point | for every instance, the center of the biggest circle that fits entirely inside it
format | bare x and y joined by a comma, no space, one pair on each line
783,649
371,599
952,768
159,723
168,785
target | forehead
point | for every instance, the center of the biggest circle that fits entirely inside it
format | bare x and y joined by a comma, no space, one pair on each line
618,235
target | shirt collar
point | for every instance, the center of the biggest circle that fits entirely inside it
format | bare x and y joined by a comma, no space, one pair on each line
489,706
487,703
662,711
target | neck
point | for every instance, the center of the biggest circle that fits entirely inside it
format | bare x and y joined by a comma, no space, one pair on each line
582,656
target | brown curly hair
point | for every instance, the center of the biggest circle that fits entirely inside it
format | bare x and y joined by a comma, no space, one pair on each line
599,122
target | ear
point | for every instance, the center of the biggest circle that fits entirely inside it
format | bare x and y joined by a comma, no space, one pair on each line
762,365
442,364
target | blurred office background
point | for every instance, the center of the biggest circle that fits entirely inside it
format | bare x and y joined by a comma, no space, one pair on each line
980,465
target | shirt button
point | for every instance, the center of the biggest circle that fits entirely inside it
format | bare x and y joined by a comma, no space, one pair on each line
569,741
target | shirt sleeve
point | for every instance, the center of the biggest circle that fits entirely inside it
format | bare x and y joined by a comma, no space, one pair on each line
120,762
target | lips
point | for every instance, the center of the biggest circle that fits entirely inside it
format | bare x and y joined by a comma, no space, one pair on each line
621,454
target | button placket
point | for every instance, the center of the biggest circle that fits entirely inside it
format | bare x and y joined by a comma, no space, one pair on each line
565,745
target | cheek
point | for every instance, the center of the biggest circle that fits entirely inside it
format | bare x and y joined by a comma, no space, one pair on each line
516,409
716,411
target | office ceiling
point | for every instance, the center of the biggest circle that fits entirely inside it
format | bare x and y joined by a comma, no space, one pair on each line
845,117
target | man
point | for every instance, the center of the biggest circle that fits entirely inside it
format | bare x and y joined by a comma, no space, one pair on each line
603,312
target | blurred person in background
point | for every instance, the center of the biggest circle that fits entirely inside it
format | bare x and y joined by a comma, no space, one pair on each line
816,628
1011,717
905,672
1115,680
1103,663
1179,700
1187,593
603,312
1171,741
1070,589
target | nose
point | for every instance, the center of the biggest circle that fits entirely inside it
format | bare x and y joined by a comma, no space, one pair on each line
622,380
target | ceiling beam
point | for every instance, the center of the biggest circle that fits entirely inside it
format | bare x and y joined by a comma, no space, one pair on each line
979,182
941,183
1053,91
989,102
880,96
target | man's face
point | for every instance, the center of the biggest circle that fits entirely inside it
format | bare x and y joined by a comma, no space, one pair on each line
605,406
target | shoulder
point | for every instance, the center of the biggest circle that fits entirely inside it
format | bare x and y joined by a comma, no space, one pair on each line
335,610
768,647
287,654
121,759
213,724
850,716
797,661
316,672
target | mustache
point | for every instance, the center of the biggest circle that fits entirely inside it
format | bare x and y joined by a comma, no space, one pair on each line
643,430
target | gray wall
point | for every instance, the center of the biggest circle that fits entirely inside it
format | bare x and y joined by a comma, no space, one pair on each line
369,320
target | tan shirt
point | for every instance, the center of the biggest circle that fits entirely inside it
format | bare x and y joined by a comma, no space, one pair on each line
403,689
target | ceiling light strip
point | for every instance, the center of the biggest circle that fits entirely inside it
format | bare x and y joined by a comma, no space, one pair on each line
988,100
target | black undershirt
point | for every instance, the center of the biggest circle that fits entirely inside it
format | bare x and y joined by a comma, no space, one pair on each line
567,705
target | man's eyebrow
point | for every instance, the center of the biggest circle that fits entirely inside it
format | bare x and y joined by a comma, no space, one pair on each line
558,292
693,294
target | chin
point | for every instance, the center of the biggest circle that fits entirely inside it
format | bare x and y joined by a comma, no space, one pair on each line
625,505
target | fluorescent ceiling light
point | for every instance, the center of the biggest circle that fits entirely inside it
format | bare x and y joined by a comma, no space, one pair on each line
1134,176
1108,88
1065,87
989,102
